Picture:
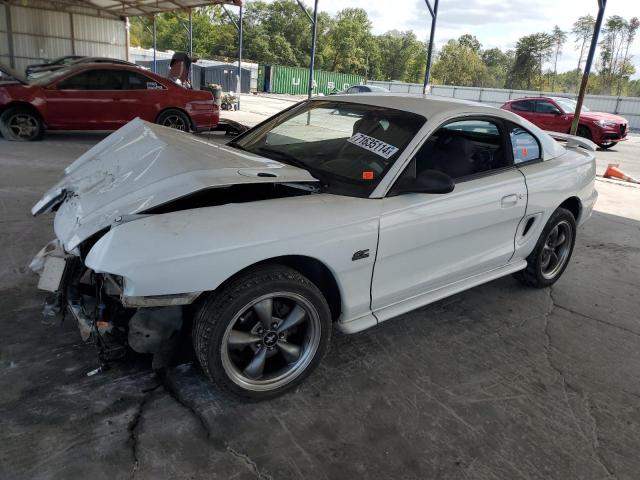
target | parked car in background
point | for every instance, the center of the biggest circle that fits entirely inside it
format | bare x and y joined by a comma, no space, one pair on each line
46,69
555,114
347,210
93,96
363,89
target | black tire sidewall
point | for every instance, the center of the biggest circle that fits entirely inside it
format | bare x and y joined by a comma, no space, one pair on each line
584,132
173,111
8,135
215,314
559,215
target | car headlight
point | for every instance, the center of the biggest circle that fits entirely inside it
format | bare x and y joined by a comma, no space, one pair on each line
605,123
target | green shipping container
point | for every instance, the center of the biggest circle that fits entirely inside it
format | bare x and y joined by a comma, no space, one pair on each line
295,80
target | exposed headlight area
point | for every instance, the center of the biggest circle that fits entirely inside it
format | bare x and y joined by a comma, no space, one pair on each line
605,123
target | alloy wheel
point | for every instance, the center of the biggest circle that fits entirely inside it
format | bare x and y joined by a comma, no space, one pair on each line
175,121
270,341
556,250
23,125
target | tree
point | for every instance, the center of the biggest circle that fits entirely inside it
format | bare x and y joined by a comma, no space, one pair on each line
498,64
614,33
559,37
459,63
399,52
531,52
349,41
582,31
470,41
627,68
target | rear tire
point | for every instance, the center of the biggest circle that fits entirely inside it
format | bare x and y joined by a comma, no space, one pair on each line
552,253
21,124
174,118
263,333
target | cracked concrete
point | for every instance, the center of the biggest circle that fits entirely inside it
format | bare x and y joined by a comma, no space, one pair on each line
500,382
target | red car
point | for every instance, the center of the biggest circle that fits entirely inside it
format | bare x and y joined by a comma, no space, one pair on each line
99,97
556,114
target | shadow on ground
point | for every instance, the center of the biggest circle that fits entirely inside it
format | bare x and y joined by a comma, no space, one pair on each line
498,382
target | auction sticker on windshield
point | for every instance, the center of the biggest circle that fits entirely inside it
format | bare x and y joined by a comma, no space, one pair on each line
373,145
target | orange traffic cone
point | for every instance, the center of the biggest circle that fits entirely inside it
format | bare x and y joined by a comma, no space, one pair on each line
614,172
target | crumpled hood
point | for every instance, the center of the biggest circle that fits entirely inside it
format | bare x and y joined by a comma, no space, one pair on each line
141,166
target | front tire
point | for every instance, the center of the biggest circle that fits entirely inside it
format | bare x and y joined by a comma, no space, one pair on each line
605,146
20,124
263,333
552,253
584,132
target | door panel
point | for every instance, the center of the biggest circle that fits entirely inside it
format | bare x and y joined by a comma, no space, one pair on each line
142,97
429,240
86,101
548,118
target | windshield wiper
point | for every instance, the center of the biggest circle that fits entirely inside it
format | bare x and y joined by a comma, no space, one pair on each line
291,160
283,156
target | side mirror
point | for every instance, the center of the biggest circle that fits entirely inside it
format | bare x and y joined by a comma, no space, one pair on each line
557,112
429,181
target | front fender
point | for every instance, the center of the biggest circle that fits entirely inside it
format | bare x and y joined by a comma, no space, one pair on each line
197,250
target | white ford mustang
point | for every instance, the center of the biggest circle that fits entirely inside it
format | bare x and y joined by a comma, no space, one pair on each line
352,210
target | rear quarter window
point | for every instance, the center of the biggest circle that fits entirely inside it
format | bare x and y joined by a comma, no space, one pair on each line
523,106
525,146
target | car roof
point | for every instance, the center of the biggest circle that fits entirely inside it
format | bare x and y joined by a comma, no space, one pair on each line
102,60
555,97
439,109
79,67
425,105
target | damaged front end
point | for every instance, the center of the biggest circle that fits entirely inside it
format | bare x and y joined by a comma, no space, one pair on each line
137,174
103,314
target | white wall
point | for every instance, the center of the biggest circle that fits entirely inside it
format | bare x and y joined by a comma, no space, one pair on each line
44,34
628,107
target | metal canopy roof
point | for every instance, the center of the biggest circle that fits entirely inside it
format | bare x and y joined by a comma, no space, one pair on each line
134,8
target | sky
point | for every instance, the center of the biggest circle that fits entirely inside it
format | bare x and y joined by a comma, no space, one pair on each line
496,23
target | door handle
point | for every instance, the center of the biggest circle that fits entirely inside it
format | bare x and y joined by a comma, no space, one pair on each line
509,200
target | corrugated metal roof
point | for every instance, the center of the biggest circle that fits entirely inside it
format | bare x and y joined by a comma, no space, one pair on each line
133,8
120,8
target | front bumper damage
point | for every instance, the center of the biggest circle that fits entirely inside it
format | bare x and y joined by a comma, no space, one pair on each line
106,317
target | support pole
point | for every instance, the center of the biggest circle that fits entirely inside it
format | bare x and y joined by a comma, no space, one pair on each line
191,47
434,16
239,56
587,67
12,53
313,47
155,66
72,34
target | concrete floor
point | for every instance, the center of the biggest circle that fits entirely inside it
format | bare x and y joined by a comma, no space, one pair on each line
500,382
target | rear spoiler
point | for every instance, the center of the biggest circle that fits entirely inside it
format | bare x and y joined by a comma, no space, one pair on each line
573,141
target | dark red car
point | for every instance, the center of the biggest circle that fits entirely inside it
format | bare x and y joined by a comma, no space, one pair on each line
99,97
556,114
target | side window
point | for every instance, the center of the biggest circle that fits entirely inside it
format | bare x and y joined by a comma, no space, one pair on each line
522,106
93,80
82,81
463,148
137,81
542,106
525,146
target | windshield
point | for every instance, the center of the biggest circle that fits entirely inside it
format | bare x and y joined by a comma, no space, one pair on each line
49,77
347,146
569,106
